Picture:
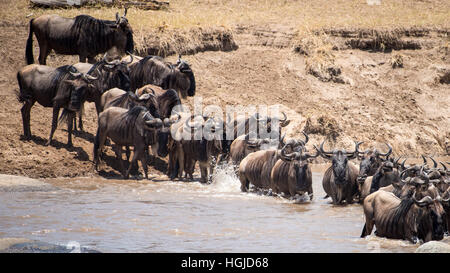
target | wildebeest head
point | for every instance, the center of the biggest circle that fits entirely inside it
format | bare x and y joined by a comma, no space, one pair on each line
115,73
432,216
371,159
187,72
298,167
339,159
81,87
125,31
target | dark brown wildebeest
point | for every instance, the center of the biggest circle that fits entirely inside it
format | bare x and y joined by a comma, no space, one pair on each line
62,87
256,167
292,175
134,127
383,177
203,150
154,70
83,35
408,219
339,180
371,159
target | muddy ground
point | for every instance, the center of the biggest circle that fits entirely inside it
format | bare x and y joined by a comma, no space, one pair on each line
367,100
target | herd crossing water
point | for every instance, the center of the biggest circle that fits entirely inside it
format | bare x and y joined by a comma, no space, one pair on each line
173,216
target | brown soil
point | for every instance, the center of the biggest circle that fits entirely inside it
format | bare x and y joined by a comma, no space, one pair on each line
408,106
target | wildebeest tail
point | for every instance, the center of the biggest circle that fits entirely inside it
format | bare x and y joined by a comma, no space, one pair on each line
21,97
63,117
29,49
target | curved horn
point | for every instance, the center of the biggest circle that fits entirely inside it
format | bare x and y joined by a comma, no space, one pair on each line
403,163
388,152
131,59
357,148
422,202
434,162
76,75
354,153
308,155
284,122
286,157
324,153
125,13
117,18
443,165
306,137
424,160
89,77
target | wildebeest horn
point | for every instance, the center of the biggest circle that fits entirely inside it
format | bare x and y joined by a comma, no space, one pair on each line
76,75
424,160
307,155
434,162
357,148
117,18
282,140
306,137
285,122
388,152
354,153
324,153
403,163
422,202
286,157
443,165
89,77
131,59
125,13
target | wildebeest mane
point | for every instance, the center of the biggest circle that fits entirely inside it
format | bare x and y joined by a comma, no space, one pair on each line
124,101
167,102
398,218
128,120
90,33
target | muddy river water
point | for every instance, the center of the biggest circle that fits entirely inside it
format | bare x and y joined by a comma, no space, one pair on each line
151,216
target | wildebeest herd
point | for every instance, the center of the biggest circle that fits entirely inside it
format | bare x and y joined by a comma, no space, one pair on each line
137,101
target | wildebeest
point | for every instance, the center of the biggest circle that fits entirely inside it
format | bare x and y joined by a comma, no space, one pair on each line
385,175
62,87
371,160
242,146
256,167
134,127
291,174
83,35
155,70
339,180
203,150
409,218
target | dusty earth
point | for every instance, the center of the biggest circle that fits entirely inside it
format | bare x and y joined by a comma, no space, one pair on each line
369,100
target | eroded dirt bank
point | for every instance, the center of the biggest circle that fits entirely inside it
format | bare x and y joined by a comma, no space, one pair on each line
366,99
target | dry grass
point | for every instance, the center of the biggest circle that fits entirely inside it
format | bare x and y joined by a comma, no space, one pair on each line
396,60
304,15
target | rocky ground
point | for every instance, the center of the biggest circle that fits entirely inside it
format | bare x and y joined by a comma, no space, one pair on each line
338,85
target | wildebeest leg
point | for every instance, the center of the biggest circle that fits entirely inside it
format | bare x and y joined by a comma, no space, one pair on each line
244,182
180,155
203,171
144,163
26,109
54,124
118,151
368,227
136,154
43,53
72,116
99,142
